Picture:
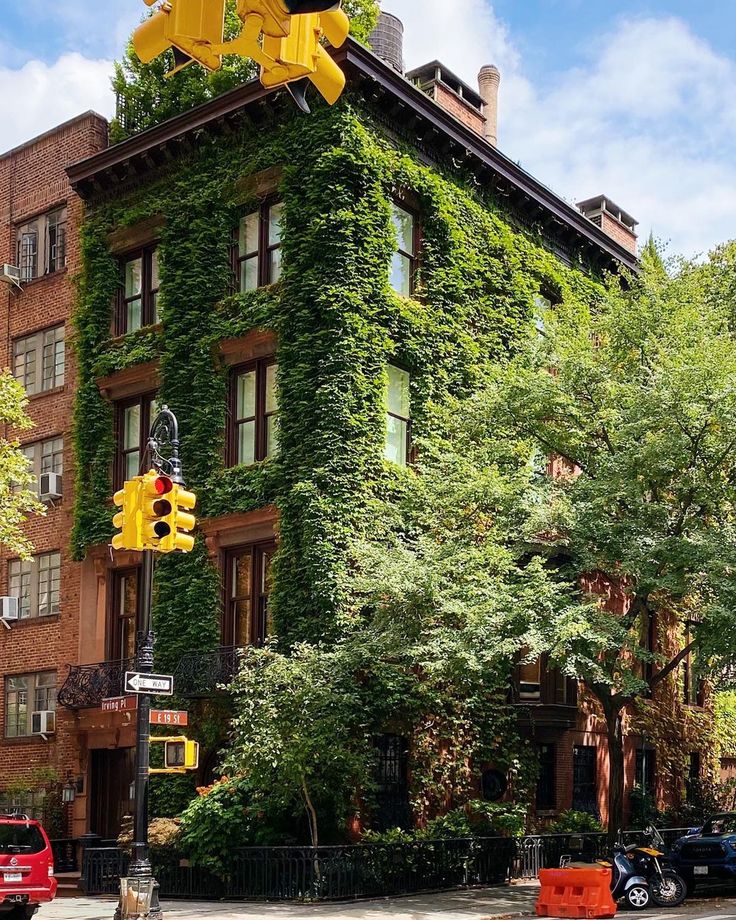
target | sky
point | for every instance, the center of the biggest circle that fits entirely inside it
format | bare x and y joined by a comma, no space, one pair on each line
631,98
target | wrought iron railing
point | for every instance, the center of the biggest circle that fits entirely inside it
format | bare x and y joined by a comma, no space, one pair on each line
65,855
102,868
87,685
203,674
325,873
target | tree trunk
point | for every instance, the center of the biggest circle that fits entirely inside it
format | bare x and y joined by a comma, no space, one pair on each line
614,729
311,813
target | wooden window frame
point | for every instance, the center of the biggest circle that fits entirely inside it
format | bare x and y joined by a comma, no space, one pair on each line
148,295
144,403
416,242
32,678
260,367
113,643
36,462
34,584
37,262
265,249
409,452
692,687
258,626
39,345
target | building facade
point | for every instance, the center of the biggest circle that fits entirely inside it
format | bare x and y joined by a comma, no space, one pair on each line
39,234
297,291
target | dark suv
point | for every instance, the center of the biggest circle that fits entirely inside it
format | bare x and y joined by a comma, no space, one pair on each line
707,852
26,867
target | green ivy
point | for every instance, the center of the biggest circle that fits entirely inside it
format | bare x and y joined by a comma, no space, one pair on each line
338,324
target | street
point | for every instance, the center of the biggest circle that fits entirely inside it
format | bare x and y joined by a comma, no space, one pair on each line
489,904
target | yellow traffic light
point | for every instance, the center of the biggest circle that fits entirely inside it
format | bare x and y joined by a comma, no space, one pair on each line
156,511
182,522
180,755
127,520
190,27
300,54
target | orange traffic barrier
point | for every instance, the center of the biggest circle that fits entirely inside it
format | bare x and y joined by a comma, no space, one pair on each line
576,893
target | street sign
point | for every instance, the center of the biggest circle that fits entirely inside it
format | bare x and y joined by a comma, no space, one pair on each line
169,717
150,684
120,704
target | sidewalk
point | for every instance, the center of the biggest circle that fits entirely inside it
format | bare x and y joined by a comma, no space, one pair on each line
457,905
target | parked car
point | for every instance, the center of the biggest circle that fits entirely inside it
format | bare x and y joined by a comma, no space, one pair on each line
26,867
707,852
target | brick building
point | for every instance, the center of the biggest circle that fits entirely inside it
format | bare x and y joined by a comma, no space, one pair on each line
40,218
83,614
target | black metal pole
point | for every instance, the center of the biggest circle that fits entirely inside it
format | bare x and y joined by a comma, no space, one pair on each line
140,866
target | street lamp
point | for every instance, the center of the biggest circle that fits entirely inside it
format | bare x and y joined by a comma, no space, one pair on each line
69,792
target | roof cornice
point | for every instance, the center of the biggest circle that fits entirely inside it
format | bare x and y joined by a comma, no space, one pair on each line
143,151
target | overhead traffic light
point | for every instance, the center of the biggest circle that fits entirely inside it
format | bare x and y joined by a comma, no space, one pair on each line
189,27
283,36
127,520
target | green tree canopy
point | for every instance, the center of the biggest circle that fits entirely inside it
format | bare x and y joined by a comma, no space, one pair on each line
147,97
17,501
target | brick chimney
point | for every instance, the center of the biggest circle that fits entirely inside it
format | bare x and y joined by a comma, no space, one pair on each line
612,220
451,93
489,79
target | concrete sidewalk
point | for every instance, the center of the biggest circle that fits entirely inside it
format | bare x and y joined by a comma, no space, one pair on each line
512,901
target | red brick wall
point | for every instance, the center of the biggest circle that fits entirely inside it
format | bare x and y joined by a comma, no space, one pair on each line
459,108
33,181
619,232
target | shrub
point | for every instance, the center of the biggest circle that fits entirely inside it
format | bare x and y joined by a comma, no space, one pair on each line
575,822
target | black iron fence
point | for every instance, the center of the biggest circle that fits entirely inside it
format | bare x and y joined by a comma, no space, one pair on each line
322,873
65,855
361,871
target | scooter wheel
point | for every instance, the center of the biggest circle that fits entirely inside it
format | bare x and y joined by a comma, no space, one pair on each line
638,897
670,890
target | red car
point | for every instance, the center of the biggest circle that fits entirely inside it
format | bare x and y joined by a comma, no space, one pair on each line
26,867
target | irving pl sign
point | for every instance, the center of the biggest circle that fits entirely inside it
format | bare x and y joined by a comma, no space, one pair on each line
172,717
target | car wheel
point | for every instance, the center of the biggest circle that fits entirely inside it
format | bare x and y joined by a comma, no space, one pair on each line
637,897
670,890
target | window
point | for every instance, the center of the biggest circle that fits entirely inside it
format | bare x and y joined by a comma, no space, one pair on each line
35,583
398,421
530,681
42,245
123,612
546,794
584,791
692,685
248,583
254,413
392,783
542,305
45,456
38,360
138,304
645,770
24,695
403,261
134,419
258,250
692,783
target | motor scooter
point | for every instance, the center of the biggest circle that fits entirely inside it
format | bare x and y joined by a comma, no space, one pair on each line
641,875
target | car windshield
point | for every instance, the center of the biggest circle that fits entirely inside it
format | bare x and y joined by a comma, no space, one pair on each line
717,827
20,838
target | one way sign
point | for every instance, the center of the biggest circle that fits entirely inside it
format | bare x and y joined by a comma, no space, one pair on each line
153,684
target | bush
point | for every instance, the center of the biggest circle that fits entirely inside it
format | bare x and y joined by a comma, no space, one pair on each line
476,819
575,822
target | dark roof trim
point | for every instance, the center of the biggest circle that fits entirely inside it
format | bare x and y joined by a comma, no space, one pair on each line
87,174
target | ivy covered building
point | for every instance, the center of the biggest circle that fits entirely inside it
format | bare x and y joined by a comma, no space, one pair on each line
300,290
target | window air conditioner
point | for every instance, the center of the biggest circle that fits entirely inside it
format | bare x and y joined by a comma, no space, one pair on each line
10,274
49,487
9,609
43,722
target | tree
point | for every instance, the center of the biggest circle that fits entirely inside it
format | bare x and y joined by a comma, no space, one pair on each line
17,501
147,97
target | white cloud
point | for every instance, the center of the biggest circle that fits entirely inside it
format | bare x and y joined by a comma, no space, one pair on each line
43,95
648,118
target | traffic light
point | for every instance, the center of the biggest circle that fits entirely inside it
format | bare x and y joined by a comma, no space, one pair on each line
189,27
156,511
127,520
180,755
300,55
181,520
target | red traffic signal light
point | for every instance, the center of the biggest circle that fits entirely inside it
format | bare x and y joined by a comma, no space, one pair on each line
163,485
